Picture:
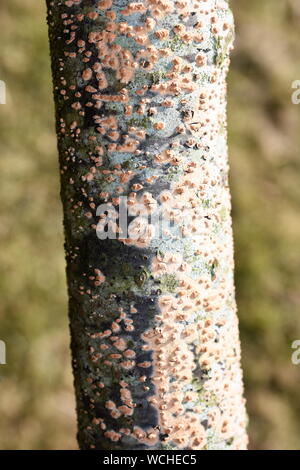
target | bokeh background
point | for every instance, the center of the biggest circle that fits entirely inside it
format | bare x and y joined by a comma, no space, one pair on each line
36,394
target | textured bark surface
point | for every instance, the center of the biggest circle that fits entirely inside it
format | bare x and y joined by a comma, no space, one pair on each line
141,112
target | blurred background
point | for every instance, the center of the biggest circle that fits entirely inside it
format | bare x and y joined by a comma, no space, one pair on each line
36,393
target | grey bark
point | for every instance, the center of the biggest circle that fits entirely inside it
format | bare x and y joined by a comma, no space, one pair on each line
140,99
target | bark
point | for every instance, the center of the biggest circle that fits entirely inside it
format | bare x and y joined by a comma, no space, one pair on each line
140,100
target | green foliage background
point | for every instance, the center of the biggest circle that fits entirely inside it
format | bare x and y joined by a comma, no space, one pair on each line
36,395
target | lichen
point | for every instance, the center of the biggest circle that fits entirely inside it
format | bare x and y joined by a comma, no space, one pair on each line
140,99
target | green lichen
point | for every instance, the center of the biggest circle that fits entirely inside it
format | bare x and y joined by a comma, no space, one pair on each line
222,48
175,43
168,283
144,122
157,77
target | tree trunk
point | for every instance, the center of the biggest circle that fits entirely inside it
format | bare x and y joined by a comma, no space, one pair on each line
140,100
